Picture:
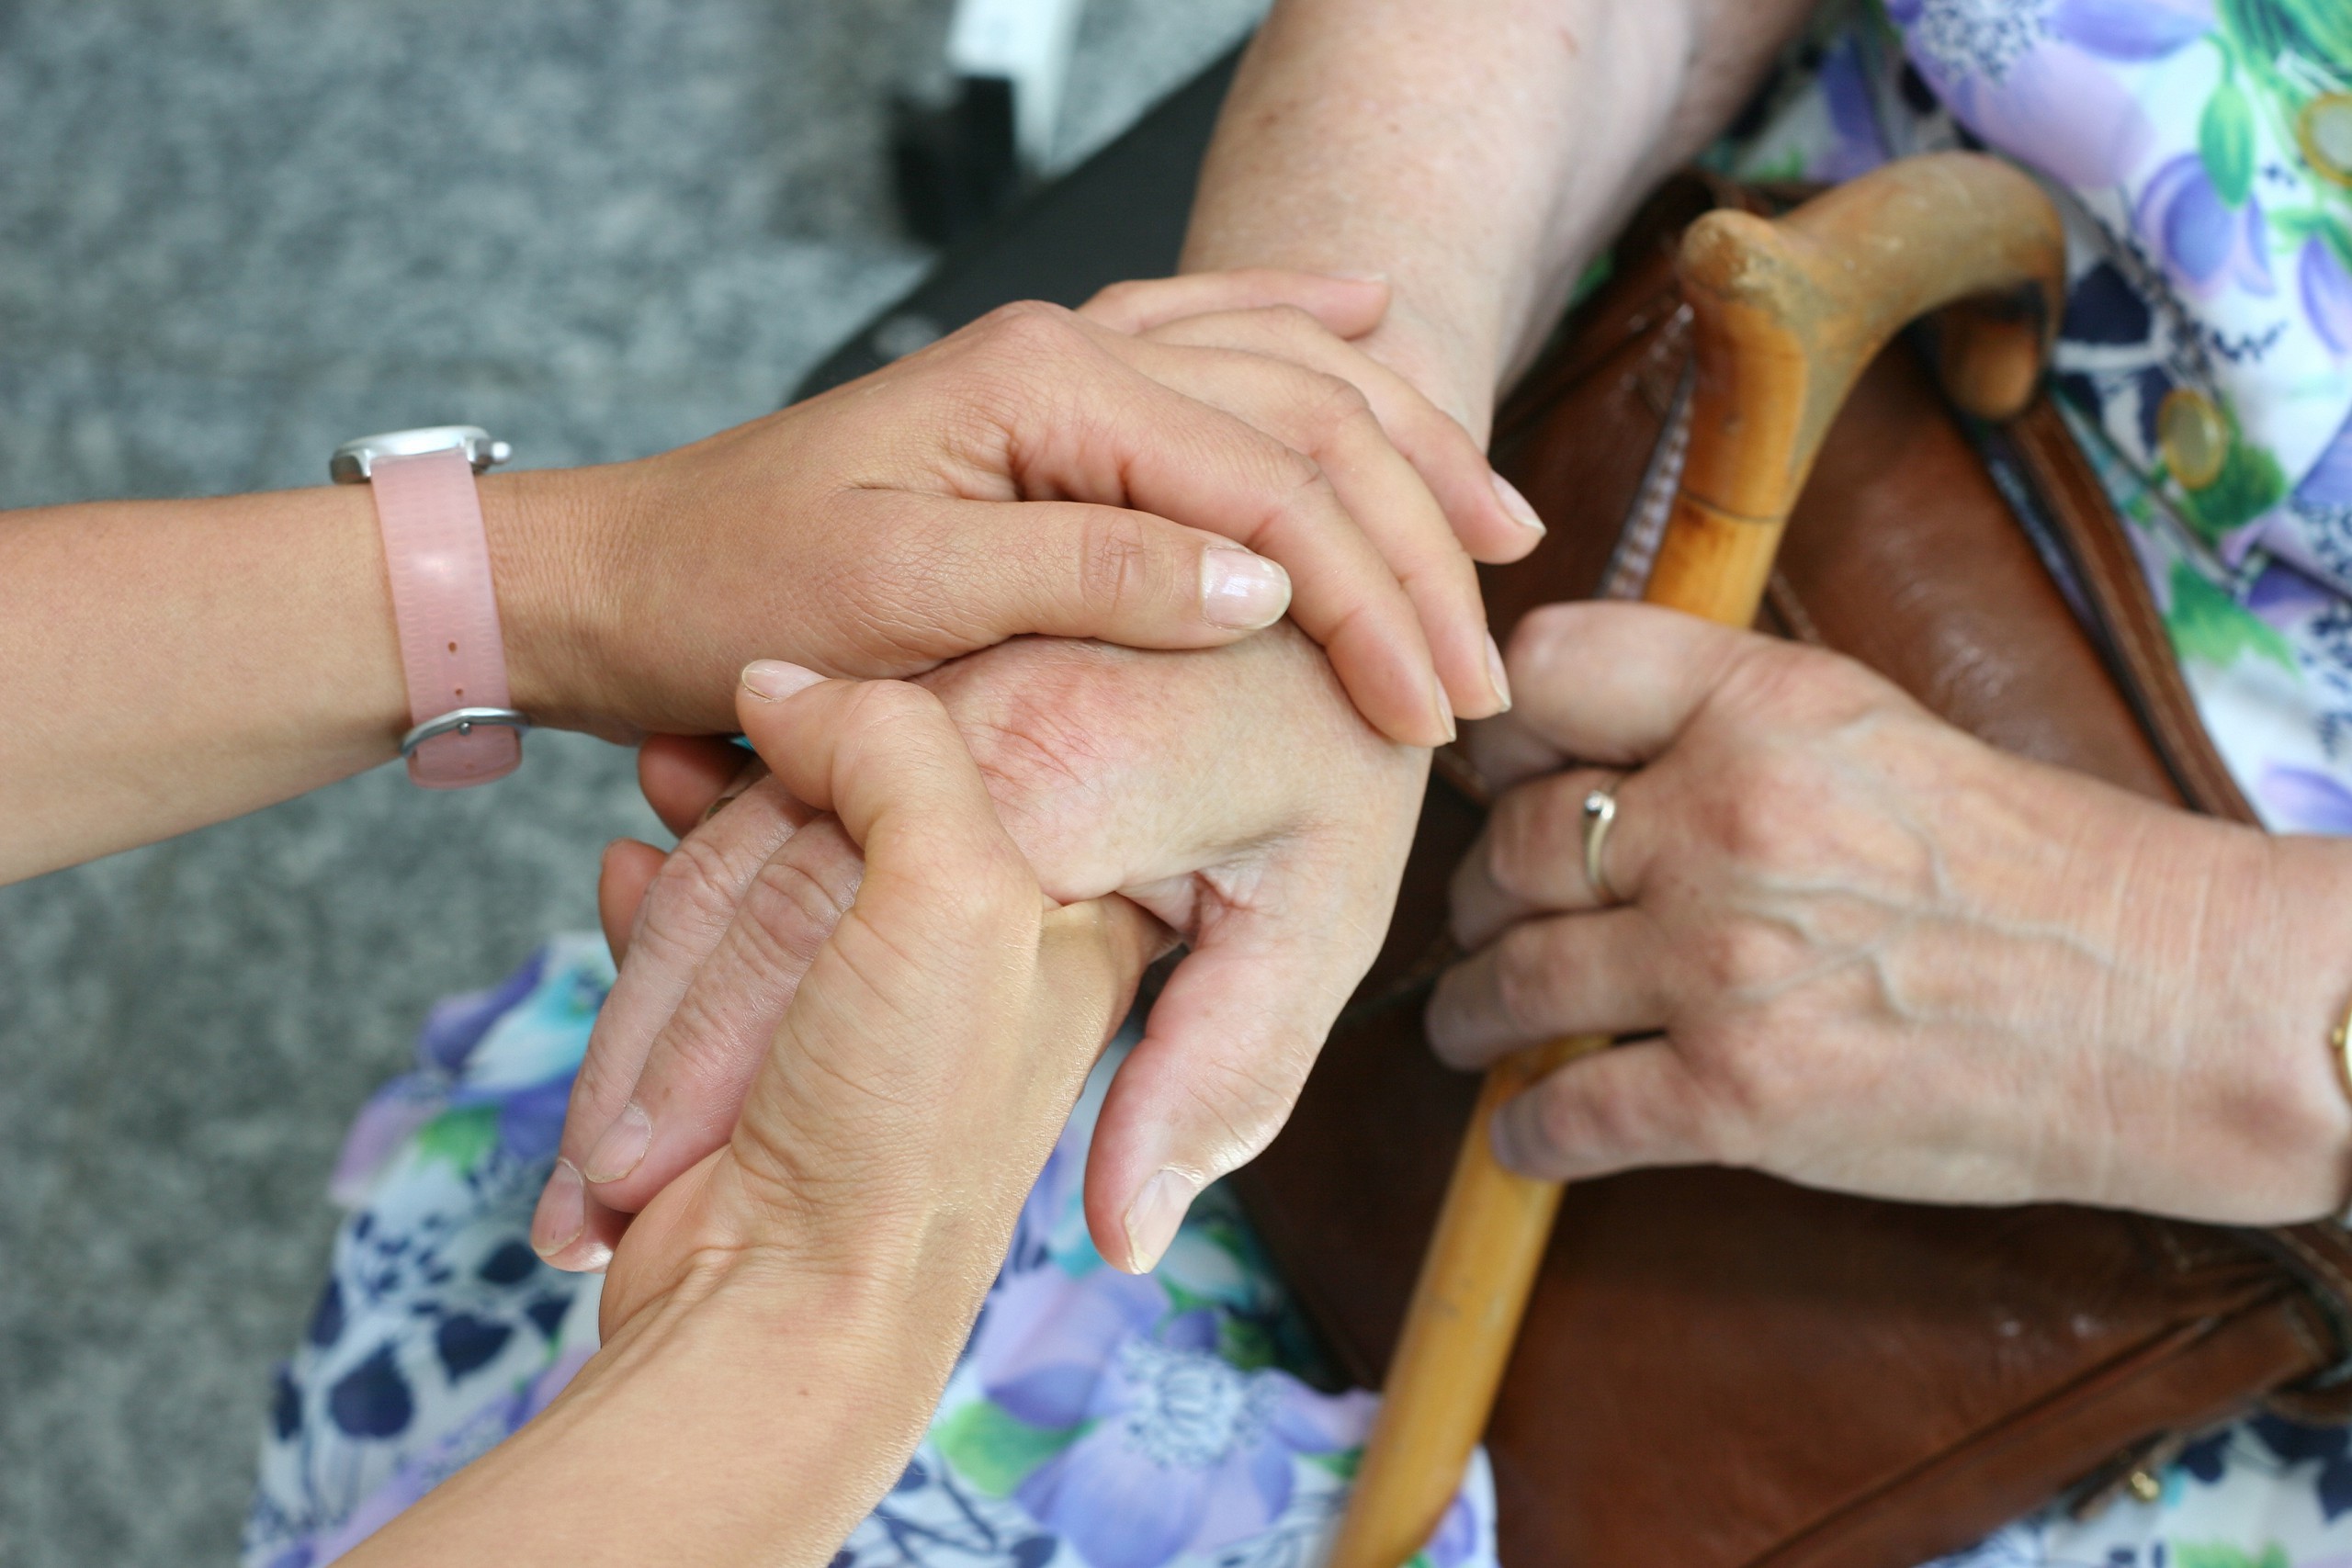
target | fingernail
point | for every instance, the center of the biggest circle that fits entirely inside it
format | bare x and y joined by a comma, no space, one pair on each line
1444,712
562,1212
1241,590
622,1148
772,680
1496,675
1516,504
1152,1219
1508,1136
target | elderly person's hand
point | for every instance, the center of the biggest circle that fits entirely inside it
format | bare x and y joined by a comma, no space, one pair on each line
779,1323
1234,794
1869,953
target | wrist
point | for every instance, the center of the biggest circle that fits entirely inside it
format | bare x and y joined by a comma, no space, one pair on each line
783,1411
1456,369
552,536
2293,930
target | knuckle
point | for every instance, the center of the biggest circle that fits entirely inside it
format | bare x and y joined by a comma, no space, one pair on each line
598,1085
1121,297
1292,321
1765,815
1027,329
1333,405
1532,834
892,710
1570,1117
1736,955
1118,564
1246,1097
1545,638
1526,976
689,895
793,905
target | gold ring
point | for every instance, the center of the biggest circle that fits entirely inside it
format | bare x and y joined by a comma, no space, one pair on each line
1600,815
2340,1037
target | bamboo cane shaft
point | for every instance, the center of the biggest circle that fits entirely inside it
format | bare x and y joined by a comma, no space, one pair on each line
1472,1291
1786,315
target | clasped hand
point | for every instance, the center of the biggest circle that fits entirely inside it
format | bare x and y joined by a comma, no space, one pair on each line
780,1320
1236,792
1861,949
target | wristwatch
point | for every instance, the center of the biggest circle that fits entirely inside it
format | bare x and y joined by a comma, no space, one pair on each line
463,731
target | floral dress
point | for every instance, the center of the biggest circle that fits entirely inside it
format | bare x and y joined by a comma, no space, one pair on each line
2201,151
2201,154
1096,1419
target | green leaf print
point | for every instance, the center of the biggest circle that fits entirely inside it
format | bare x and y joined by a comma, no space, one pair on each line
2209,626
2249,484
1341,1462
2196,1554
2319,30
463,1137
995,1450
1244,1345
2226,141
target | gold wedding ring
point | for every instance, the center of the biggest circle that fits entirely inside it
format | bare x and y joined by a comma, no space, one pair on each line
1599,814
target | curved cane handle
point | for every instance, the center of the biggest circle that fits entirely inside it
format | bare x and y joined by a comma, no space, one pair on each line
1787,313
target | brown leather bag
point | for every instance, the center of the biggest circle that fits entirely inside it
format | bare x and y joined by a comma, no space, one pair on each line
1719,1370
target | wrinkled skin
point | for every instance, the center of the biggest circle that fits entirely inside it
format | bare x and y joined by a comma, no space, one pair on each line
785,1314
1867,952
1234,792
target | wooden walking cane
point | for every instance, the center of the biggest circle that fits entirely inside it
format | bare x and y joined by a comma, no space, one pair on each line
1786,314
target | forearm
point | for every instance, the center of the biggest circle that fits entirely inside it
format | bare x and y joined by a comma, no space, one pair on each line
1476,153
176,664
752,1422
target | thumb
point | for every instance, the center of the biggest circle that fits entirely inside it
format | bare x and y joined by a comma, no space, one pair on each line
1227,1047
1631,1106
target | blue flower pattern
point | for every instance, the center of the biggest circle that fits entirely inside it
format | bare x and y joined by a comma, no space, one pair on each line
1102,1422
1096,1420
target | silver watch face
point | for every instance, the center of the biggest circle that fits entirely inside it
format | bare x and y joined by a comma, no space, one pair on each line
355,461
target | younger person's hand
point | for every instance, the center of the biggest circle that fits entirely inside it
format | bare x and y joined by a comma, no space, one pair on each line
779,1323
1036,472
1235,794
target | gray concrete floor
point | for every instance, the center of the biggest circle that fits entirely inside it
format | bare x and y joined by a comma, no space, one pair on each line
233,233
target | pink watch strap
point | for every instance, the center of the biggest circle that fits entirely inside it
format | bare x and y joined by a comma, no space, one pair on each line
451,650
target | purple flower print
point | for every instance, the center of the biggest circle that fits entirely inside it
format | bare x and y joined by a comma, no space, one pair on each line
1184,1454
2032,80
455,1025
2283,596
2131,29
1858,147
1457,1537
2305,800
1045,1334
2327,294
2201,240
2327,485
1176,1451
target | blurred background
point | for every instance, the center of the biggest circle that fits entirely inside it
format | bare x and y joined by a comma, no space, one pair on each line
234,233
